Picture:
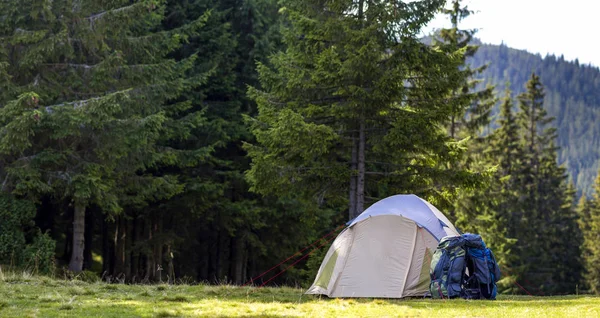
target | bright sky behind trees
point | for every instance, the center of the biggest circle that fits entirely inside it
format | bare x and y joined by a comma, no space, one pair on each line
556,27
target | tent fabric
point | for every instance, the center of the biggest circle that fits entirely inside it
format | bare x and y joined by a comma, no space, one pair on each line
419,272
340,247
385,252
411,206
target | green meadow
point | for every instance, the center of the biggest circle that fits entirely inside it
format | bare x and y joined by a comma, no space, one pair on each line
24,295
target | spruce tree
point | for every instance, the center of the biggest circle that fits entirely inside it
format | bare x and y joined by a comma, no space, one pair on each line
489,209
531,250
470,108
349,112
90,94
469,114
589,224
545,222
505,139
219,223
507,155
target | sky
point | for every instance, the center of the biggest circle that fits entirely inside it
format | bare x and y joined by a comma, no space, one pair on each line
567,27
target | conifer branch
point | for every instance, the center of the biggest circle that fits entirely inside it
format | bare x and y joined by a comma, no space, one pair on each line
91,66
26,159
97,16
4,183
85,66
81,103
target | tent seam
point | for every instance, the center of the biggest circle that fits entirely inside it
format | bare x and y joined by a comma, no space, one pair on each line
337,279
412,252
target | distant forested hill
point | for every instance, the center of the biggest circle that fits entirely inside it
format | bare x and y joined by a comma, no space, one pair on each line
572,96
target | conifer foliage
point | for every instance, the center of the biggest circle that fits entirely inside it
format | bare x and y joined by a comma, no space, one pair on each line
475,209
572,95
470,108
546,206
488,210
351,111
532,197
526,209
589,223
89,93
211,139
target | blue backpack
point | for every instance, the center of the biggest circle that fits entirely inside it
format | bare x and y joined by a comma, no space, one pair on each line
462,266
482,271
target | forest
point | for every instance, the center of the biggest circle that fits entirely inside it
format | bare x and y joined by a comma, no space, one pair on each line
572,97
207,140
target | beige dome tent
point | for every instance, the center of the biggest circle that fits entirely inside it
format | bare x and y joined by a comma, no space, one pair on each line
384,252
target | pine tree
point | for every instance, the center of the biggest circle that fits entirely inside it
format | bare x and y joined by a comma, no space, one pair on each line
505,140
476,210
469,114
548,254
470,108
489,209
589,224
531,249
218,222
347,111
572,96
583,212
562,236
90,95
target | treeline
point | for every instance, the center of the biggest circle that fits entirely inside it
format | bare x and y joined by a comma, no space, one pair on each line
208,140
527,211
123,122
572,97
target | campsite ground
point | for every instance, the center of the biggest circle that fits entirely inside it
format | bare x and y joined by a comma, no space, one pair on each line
22,295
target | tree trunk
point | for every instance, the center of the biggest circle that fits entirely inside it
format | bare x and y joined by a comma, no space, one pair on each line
361,5
135,253
89,233
245,265
532,128
127,249
251,269
107,249
119,246
212,249
218,270
149,255
68,241
158,247
203,259
237,259
76,263
353,166
360,144
360,185
171,269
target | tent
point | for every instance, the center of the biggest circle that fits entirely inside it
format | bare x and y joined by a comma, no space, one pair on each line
384,252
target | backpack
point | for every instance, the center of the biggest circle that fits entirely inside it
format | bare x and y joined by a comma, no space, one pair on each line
462,266
447,267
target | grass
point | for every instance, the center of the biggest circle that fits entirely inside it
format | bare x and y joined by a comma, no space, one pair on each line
24,295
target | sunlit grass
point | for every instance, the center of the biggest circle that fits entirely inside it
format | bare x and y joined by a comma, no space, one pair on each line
23,295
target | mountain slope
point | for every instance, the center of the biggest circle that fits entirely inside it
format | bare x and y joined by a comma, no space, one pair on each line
572,96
